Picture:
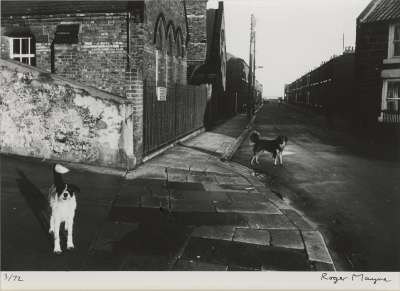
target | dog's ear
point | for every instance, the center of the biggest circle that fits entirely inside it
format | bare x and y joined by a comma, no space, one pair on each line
74,188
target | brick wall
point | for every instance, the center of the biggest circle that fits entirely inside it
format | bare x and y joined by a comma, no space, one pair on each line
197,23
173,11
99,59
371,49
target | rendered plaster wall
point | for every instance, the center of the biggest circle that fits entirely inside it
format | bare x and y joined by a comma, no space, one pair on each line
48,117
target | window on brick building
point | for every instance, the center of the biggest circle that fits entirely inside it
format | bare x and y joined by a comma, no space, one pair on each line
394,41
22,46
171,70
160,59
22,50
393,96
66,34
179,57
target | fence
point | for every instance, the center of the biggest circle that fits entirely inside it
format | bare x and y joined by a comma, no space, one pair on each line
166,121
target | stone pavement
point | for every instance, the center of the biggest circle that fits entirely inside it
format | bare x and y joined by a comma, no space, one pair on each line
187,210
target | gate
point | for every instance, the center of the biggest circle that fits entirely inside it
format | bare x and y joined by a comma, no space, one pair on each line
166,121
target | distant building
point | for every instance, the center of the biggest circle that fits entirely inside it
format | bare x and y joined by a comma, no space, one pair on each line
329,88
378,65
237,83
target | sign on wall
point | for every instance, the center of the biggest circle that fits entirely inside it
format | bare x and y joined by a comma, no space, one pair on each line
161,94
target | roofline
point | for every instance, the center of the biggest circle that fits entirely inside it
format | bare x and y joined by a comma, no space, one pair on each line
124,6
367,10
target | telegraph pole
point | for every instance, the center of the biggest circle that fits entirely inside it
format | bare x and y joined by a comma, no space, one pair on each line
251,77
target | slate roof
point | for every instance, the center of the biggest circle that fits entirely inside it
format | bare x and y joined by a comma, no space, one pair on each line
381,10
34,7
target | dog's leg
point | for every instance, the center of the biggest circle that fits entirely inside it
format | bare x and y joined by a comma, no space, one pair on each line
51,228
280,158
70,227
275,156
56,233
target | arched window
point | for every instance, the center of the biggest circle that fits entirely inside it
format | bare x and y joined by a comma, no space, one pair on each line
160,53
179,56
171,70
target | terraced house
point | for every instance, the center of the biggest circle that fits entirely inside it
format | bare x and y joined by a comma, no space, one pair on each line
99,82
378,65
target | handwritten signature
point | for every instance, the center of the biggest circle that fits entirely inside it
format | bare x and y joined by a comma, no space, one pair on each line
355,277
12,277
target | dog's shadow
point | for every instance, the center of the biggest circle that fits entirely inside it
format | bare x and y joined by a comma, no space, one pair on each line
36,201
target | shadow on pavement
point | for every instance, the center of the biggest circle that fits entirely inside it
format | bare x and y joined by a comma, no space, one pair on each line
36,202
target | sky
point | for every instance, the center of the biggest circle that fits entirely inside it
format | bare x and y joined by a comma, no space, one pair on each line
292,36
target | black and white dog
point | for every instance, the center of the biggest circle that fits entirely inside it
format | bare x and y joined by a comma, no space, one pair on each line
62,202
261,145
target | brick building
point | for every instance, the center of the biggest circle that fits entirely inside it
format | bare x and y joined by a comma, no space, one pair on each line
115,46
237,84
328,88
378,65
237,74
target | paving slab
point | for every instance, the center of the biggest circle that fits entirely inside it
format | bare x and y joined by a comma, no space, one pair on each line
110,233
214,232
147,182
153,202
268,221
212,187
218,168
238,180
201,179
185,186
316,247
246,196
286,239
194,196
198,166
209,141
192,206
127,200
196,265
147,171
252,236
298,220
247,207
177,176
238,188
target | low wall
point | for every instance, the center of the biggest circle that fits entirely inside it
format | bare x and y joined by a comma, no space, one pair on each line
45,116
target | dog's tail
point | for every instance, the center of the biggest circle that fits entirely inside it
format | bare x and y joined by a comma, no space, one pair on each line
58,170
254,137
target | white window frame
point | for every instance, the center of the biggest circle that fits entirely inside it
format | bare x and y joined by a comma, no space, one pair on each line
384,94
391,41
30,56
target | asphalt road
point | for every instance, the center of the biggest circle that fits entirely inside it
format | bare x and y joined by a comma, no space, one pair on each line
349,187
